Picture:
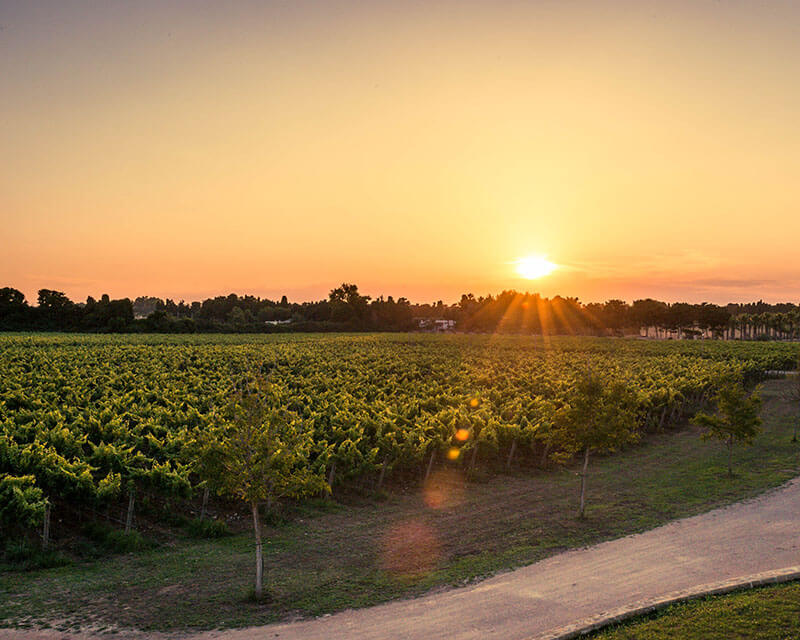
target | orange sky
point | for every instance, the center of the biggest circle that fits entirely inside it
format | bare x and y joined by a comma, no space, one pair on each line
190,149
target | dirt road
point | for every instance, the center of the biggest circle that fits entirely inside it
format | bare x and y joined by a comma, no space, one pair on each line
744,539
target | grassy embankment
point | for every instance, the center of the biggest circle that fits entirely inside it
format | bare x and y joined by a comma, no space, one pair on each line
768,613
328,557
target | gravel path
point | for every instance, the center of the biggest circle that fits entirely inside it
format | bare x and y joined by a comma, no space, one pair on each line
556,594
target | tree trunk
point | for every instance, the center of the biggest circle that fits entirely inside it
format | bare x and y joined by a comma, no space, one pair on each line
205,503
545,453
259,550
583,483
474,456
46,529
511,453
730,455
129,518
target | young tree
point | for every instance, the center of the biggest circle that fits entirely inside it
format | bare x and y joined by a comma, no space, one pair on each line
596,416
258,452
792,393
736,418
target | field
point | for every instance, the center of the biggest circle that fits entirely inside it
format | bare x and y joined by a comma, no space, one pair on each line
79,410
91,416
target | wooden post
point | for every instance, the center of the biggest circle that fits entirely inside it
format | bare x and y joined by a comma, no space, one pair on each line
383,473
430,465
205,503
129,518
511,453
545,453
583,483
474,456
259,550
332,477
46,529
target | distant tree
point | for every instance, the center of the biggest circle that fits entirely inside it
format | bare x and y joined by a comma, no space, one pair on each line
11,298
736,418
596,416
258,453
648,313
237,317
615,315
50,299
14,311
347,304
56,310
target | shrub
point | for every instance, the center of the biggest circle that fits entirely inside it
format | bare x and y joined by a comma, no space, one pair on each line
207,528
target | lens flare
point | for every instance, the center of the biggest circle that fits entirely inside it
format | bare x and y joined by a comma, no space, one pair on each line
444,489
409,549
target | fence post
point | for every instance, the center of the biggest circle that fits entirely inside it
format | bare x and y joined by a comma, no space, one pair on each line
205,503
430,464
46,529
129,519
383,473
511,453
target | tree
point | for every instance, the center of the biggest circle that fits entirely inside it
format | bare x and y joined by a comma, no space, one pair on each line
792,393
14,311
347,304
736,418
596,416
258,452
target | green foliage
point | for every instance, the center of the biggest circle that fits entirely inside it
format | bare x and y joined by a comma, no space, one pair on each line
258,452
21,502
736,418
597,415
89,416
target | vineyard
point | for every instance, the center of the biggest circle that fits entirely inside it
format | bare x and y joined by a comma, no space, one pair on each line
87,421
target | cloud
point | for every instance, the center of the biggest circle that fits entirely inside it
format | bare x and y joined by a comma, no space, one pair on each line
733,283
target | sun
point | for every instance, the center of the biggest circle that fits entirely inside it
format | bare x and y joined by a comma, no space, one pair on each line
532,267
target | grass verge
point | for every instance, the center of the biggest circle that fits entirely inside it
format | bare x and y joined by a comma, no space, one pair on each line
330,557
766,613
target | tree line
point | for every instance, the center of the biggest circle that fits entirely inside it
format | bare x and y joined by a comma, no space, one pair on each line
346,309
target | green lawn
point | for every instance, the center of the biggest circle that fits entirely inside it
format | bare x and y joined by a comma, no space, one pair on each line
768,613
329,557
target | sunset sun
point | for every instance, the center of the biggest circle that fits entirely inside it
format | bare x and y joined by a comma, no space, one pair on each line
532,267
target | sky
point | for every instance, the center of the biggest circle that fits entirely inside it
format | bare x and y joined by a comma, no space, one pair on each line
191,149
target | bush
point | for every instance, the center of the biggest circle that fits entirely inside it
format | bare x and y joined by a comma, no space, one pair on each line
207,528
22,555
114,540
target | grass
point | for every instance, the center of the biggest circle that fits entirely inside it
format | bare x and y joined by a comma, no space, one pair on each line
768,613
329,556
